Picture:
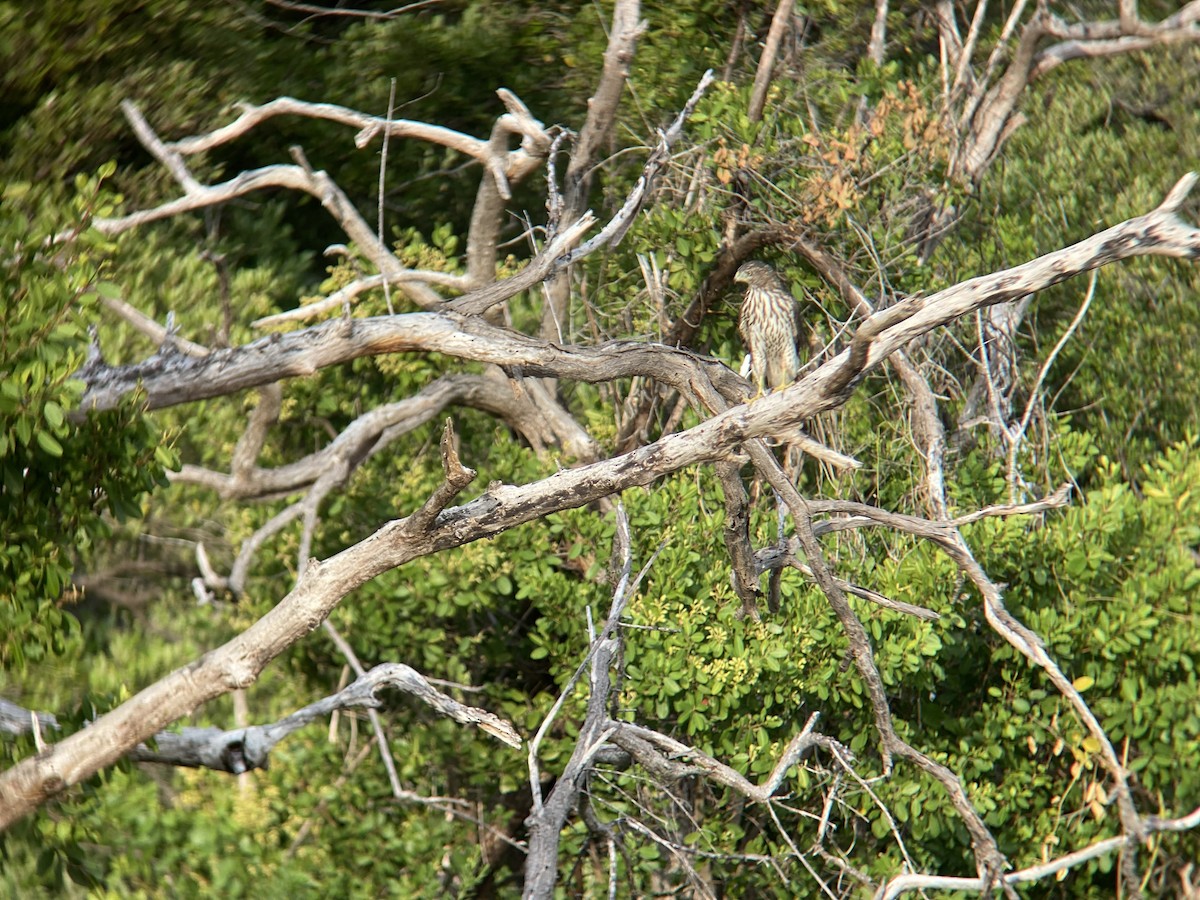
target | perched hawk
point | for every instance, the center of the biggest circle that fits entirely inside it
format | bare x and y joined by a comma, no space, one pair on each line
769,325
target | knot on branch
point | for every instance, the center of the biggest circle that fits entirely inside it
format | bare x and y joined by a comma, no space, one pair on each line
458,477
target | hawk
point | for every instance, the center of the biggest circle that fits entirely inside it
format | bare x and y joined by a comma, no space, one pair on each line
769,326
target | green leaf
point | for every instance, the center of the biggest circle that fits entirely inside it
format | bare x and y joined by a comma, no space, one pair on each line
166,457
54,414
46,441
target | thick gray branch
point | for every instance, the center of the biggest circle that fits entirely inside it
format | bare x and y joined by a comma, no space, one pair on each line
547,819
172,378
766,65
989,116
16,719
249,748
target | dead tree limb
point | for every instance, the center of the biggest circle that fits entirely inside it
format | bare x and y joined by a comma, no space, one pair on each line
249,748
547,819
16,719
672,759
990,861
766,65
902,884
593,137
176,379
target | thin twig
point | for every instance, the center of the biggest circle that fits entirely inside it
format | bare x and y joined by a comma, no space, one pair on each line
383,153
1014,438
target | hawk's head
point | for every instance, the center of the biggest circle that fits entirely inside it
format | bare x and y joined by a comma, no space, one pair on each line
757,274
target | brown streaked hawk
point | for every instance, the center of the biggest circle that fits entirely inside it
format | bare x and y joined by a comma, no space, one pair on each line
769,325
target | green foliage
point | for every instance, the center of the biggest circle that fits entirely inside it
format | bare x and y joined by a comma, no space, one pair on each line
59,473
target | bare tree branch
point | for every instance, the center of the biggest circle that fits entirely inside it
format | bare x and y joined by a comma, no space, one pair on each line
341,298
381,738
547,819
316,11
150,328
902,884
250,444
249,748
512,167
176,380
744,575
776,557
593,136
1016,434
766,64
669,758
875,47
16,719
989,115
503,167
990,861
1024,640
